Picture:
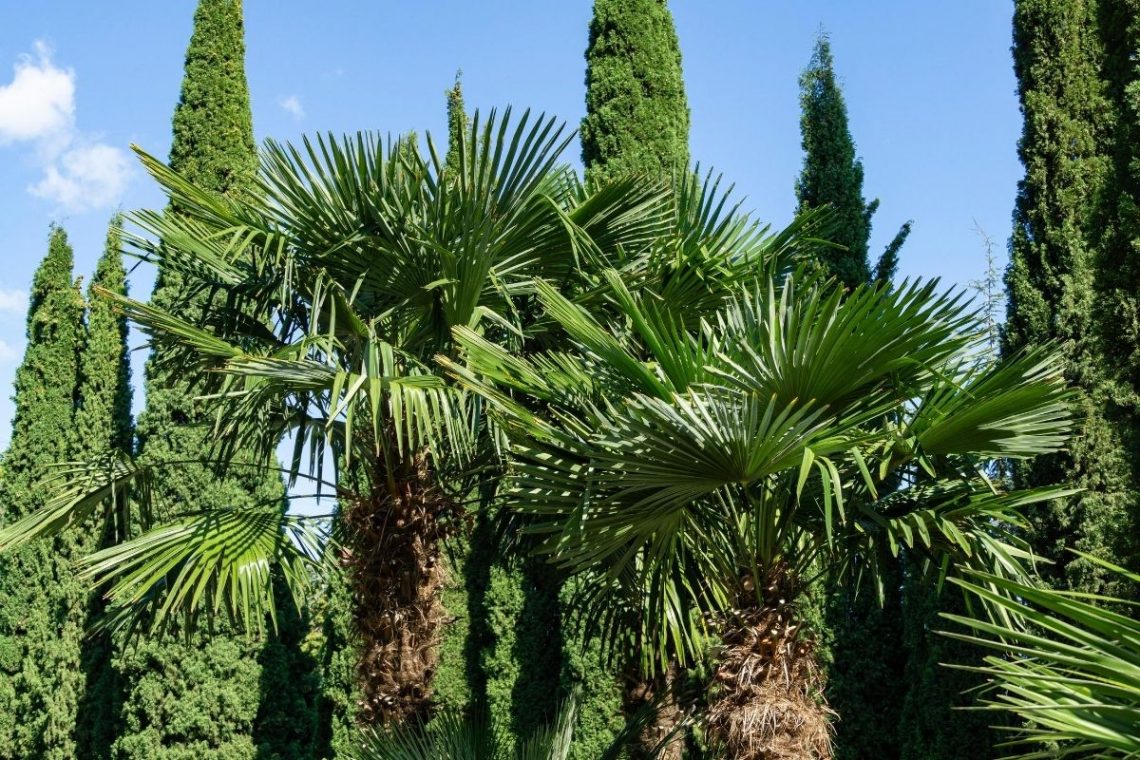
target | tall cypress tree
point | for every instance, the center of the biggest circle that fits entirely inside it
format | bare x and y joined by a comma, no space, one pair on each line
201,698
457,122
1070,268
42,604
637,122
637,116
862,633
103,423
1109,520
832,175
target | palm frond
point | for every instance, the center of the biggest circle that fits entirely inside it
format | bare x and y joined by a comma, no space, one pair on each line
219,562
1067,664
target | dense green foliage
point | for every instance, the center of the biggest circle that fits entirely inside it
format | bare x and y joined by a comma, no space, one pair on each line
213,126
457,124
42,604
203,698
832,175
637,122
337,649
1072,274
637,116
617,468
863,634
506,653
932,728
621,370
103,423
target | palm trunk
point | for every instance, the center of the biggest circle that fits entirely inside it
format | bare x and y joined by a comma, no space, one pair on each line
641,691
394,560
768,699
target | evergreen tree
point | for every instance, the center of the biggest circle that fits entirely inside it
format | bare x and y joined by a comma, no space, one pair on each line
42,603
201,698
637,121
932,727
1071,275
637,116
832,175
339,655
1110,523
457,122
861,632
103,423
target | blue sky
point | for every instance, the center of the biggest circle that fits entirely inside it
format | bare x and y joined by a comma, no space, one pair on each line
929,86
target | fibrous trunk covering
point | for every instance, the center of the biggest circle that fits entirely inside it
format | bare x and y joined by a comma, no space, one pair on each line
662,690
768,701
394,560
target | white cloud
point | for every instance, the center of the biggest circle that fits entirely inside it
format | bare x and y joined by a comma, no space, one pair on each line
40,101
38,108
13,302
293,107
8,352
85,177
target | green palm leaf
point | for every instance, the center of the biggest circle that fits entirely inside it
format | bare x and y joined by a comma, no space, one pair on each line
1067,663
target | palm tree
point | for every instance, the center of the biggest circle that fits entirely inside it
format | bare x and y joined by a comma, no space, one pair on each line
699,471
326,290
1067,663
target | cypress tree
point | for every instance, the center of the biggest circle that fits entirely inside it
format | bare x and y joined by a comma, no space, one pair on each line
1110,523
103,423
637,121
932,727
861,633
832,175
1071,278
637,116
457,122
42,603
201,698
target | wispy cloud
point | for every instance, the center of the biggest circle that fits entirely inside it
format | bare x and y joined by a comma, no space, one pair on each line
37,110
13,302
8,352
292,106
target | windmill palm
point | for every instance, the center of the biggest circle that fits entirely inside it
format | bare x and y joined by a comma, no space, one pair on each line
325,292
701,470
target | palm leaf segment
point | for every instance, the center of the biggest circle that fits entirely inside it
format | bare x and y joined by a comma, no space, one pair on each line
680,464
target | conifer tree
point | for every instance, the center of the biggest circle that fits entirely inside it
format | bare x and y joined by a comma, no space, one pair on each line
103,423
862,632
42,603
637,122
201,698
1070,275
457,122
1115,528
637,115
832,175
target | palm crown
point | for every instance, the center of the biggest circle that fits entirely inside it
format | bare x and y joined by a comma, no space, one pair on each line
702,471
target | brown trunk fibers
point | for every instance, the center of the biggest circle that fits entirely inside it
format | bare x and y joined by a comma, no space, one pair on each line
767,701
393,558
641,691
